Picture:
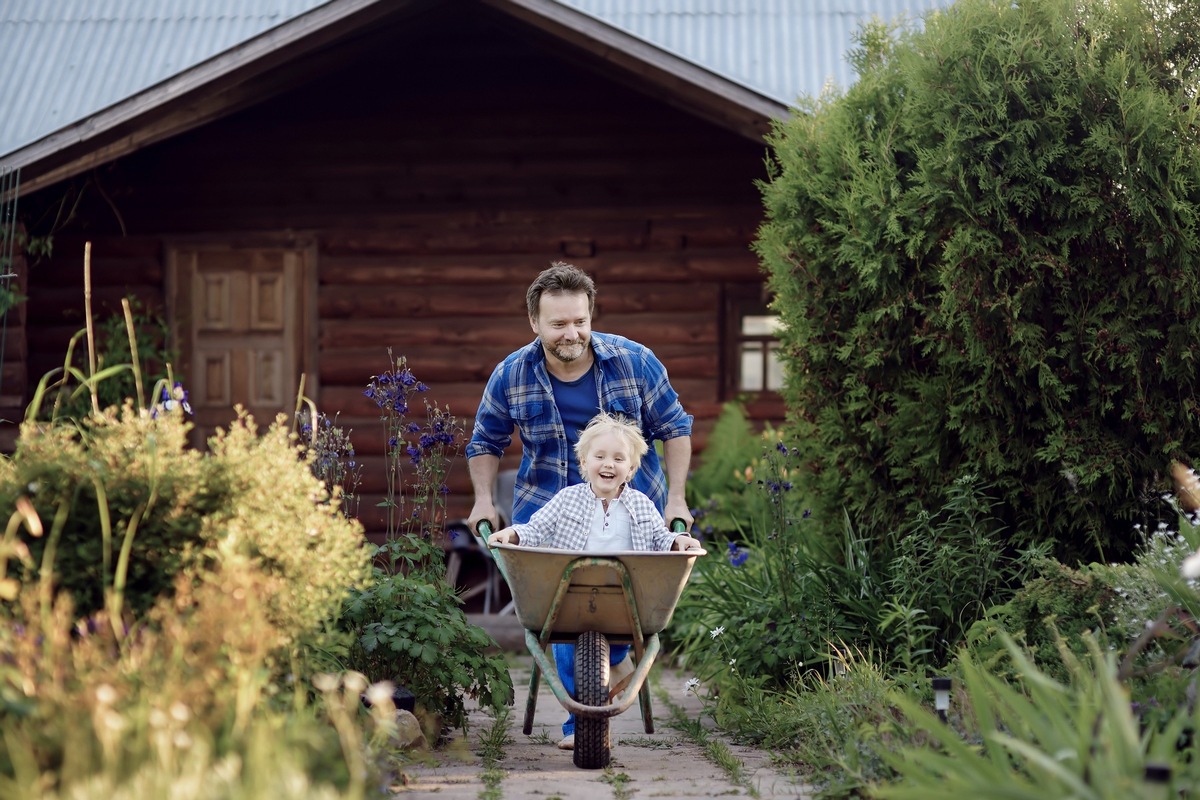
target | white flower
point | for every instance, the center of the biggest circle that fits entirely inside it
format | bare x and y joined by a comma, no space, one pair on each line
380,693
106,695
717,631
355,682
691,685
325,682
1190,568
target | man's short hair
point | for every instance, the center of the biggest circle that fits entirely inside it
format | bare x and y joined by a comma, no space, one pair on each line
560,278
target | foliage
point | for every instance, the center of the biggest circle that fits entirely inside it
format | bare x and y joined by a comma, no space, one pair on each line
419,504
333,459
790,585
952,566
718,486
152,338
1057,603
129,506
771,586
831,729
183,706
160,609
1041,737
984,254
407,625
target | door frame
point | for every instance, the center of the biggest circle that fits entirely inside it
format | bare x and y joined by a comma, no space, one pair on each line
306,249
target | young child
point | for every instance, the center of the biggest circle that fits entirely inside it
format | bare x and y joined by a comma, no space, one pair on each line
604,514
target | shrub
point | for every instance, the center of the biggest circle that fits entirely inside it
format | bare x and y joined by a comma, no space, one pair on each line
128,506
985,256
1059,603
790,585
408,627
183,706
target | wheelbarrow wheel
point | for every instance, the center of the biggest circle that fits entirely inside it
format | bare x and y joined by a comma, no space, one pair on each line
593,748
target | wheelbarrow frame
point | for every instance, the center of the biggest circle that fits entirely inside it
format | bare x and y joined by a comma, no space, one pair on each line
586,582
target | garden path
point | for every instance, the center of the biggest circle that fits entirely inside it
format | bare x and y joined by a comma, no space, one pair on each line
667,765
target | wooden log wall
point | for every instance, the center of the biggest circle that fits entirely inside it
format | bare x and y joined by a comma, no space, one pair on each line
437,179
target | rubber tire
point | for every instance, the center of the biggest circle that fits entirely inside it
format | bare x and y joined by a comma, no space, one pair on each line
593,748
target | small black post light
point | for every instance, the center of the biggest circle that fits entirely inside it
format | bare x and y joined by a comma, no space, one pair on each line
1157,778
941,697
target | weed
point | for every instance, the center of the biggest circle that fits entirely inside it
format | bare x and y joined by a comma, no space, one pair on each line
715,750
492,742
648,743
491,751
619,781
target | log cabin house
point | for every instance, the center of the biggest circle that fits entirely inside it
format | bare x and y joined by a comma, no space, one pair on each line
366,175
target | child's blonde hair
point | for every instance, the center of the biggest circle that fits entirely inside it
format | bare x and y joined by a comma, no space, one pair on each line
622,427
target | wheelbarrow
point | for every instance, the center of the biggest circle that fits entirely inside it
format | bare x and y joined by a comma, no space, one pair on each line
593,600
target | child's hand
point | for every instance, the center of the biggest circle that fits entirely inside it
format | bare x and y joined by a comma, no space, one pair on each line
684,542
505,536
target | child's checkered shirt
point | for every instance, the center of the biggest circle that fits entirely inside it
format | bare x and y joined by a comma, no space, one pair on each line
566,520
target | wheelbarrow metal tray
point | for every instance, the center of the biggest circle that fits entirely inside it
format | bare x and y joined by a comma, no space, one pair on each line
595,600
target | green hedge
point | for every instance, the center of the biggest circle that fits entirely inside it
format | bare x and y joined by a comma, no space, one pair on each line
985,254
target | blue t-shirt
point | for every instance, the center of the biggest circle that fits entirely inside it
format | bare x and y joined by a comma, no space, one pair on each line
578,402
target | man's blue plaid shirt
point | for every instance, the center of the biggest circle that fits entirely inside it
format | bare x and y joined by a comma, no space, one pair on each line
631,381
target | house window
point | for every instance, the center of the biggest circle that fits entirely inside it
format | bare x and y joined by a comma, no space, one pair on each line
759,368
752,363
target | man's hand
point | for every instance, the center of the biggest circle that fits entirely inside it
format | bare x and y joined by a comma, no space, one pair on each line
678,509
483,510
506,536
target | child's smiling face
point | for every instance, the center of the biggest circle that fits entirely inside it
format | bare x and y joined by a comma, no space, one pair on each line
608,465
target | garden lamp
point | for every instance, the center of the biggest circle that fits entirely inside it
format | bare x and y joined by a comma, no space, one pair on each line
1157,779
941,697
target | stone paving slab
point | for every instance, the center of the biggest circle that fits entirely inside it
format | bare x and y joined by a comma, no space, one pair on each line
664,764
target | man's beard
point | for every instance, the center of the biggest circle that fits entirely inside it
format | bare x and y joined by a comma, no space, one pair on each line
569,352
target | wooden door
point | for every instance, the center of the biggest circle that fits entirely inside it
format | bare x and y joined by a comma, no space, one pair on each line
239,316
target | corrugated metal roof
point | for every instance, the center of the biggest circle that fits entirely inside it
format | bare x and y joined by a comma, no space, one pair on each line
784,49
63,60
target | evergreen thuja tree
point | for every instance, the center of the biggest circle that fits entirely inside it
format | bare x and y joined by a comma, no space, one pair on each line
985,253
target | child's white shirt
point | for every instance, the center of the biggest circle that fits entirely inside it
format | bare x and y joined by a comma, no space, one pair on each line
612,529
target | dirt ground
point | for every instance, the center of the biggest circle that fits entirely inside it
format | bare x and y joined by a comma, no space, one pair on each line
665,764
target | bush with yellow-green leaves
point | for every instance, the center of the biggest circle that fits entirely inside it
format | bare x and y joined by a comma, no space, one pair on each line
157,605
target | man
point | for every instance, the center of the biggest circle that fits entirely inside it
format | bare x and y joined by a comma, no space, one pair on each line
549,390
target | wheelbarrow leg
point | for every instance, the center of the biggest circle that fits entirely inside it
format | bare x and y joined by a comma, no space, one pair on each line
639,651
647,712
535,680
